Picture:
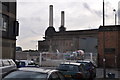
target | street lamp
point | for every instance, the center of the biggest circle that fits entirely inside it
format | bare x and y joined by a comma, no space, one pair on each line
116,37
104,58
115,16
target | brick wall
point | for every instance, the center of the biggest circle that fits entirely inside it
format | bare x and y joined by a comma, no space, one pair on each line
111,38
118,56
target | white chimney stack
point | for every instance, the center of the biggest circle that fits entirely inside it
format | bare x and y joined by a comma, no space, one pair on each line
51,16
62,18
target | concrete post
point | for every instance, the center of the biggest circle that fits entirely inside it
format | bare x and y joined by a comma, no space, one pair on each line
40,59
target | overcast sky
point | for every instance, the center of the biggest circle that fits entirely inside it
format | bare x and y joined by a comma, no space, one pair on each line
33,17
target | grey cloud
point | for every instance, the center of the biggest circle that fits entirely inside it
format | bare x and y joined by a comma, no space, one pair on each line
98,13
87,6
34,32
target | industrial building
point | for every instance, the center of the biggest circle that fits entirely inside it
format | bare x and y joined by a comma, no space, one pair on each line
105,41
66,41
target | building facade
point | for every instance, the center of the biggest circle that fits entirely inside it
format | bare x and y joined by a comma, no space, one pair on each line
8,29
109,45
69,41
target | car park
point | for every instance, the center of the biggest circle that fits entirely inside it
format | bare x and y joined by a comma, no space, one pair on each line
89,66
73,71
6,66
31,73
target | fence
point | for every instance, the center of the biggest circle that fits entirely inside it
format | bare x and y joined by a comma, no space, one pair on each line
54,59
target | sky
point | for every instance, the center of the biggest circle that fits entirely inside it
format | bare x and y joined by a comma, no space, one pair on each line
33,17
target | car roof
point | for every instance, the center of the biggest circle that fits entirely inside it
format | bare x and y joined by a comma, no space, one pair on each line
72,63
83,61
37,69
4,59
87,61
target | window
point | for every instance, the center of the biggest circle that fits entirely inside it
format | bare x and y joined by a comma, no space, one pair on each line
6,63
5,7
61,76
54,76
4,22
1,22
11,62
3,18
26,75
0,63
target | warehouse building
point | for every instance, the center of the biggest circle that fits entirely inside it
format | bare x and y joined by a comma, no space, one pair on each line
8,29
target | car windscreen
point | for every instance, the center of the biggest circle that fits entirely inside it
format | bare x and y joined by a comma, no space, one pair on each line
69,67
87,65
25,75
82,62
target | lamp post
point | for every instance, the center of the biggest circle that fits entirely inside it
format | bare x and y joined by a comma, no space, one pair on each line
104,58
115,16
116,37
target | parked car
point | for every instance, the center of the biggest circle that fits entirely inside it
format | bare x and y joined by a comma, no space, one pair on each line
89,66
7,65
25,63
73,71
31,73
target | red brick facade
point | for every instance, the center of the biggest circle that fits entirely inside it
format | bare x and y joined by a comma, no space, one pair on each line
109,46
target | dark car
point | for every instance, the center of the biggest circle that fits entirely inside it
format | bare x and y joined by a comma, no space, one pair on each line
30,73
25,63
73,71
6,66
89,66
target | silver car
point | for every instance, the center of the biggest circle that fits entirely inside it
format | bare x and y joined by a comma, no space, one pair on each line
31,73
6,65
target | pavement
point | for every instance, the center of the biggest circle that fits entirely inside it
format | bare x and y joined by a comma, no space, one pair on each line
100,74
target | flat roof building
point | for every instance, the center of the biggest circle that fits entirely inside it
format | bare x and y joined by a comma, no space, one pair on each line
9,29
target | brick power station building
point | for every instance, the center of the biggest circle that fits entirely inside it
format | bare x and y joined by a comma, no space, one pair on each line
64,41
104,41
